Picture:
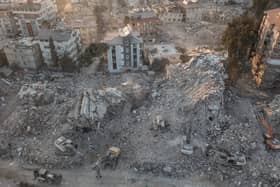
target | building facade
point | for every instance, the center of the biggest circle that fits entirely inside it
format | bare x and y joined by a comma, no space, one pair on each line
266,62
145,22
76,16
7,24
24,53
30,16
67,43
174,13
125,53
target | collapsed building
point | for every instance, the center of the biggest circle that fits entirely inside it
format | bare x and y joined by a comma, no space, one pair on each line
266,62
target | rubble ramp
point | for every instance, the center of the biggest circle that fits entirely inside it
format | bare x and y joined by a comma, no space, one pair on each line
200,84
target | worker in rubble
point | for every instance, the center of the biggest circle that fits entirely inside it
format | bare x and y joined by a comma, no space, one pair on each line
96,167
98,173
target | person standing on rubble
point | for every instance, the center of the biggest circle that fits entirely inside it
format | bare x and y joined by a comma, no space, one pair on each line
97,169
98,173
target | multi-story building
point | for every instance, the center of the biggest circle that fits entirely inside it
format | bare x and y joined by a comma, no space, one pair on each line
145,22
7,24
266,62
125,53
24,53
66,42
173,13
82,18
30,16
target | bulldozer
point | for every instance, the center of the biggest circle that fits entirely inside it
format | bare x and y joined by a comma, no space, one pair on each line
44,176
271,140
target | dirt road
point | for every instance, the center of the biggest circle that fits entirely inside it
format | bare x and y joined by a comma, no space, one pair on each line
11,174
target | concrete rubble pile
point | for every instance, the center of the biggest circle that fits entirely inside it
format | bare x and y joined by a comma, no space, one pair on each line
201,87
190,94
194,94
96,104
37,94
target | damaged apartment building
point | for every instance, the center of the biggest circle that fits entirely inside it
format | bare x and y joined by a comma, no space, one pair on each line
24,53
266,62
67,43
146,23
125,53
30,16
32,52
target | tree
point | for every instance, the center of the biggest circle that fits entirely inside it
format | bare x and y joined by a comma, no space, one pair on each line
54,56
159,65
67,64
239,37
3,58
94,50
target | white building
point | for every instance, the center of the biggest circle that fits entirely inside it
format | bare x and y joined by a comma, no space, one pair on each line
31,15
125,53
24,53
67,42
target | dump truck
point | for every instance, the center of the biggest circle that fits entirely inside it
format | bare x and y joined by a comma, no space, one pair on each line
44,176
65,147
159,123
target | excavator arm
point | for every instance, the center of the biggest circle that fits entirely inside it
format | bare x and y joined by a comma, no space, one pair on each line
268,133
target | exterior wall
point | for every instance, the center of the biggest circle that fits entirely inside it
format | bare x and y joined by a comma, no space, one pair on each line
29,21
24,56
172,17
274,61
71,48
266,63
7,25
146,26
134,64
194,14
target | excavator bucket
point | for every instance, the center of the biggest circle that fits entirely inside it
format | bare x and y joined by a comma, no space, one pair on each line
115,151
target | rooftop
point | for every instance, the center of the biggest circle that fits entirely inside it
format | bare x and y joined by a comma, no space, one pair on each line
27,7
120,39
56,35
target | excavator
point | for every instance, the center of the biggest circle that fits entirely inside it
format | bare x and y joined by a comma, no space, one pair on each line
271,140
110,159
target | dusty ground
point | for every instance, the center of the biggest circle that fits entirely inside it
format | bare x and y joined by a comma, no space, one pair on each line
185,95
11,174
193,35
148,156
